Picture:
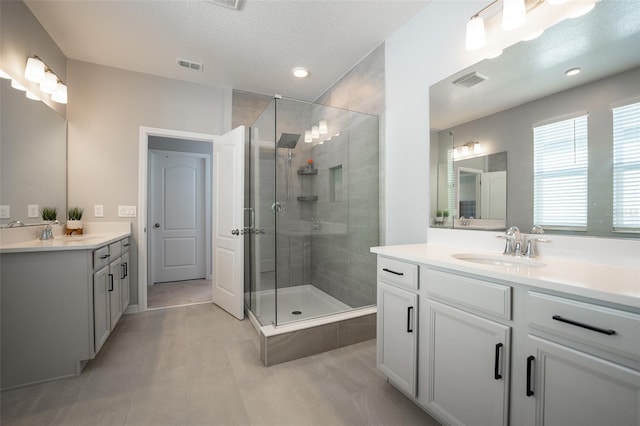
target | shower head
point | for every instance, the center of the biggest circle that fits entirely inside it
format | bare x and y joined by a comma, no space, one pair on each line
288,140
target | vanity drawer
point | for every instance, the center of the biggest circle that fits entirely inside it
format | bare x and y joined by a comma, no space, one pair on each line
398,272
115,249
100,257
468,293
606,328
124,245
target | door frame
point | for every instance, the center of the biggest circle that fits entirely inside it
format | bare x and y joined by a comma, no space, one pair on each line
143,198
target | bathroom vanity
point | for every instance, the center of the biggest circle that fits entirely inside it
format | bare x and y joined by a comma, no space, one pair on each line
480,338
60,300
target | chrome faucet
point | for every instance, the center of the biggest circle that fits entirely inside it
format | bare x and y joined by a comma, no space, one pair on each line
513,244
47,232
532,249
14,224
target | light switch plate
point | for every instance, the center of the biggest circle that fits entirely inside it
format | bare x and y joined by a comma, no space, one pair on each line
98,210
5,212
33,210
127,211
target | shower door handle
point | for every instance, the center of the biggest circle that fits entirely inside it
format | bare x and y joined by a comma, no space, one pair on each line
252,217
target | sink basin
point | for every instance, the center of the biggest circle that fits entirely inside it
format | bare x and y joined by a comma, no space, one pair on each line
499,260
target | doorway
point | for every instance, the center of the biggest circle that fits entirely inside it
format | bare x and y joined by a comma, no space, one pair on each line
178,217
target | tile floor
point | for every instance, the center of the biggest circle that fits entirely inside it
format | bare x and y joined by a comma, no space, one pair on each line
196,365
178,293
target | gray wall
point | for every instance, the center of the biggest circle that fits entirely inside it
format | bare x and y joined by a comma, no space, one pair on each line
106,108
511,131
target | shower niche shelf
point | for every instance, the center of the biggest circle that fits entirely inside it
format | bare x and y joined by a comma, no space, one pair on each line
307,198
308,172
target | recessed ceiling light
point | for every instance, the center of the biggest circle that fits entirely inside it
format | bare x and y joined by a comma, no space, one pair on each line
300,72
573,71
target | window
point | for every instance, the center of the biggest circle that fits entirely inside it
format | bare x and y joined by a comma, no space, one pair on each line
626,168
560,164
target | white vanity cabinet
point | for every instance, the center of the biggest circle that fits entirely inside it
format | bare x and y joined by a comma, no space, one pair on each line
124,277
580,360
466,355
397,333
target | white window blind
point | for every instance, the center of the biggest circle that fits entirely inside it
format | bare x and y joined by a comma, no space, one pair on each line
560,164
626,168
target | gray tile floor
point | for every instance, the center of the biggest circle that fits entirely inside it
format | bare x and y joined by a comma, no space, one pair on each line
196,365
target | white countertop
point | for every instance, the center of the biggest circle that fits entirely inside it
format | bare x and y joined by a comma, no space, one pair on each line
609,283
63,242
96,234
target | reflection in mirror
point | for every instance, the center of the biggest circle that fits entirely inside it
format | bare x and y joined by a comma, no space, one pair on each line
33,155
527,88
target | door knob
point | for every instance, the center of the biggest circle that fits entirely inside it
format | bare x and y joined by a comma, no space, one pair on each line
235,232
157,225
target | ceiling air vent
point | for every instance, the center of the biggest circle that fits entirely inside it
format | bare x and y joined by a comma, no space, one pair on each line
231,4
470,80
196,66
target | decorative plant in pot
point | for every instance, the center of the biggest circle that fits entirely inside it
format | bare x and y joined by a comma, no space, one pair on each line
439,216
49,213
74,221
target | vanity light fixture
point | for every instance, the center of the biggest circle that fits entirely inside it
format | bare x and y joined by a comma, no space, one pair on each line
50,83
39,72
307,136
469,148
32,96
315,132
60,96
300,72
491,29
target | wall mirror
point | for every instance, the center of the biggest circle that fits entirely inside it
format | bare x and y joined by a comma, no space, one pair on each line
33,155
526,87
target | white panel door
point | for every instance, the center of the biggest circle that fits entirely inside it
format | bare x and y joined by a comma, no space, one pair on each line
177,217
228,226
494,195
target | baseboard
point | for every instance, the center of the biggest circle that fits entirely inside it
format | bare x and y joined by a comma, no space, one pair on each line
132,309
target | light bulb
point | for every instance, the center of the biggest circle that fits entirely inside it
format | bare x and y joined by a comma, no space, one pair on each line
34,70
514,14
322,127
50,83
476,36
60,96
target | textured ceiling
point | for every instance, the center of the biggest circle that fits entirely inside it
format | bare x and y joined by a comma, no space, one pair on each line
253,48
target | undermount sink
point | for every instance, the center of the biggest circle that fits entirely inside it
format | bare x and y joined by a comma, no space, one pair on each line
498,260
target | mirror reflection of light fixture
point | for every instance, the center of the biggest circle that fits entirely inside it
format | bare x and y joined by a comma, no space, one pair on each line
469,148
514,16
18,86
35,70
322,127
307,136
315,132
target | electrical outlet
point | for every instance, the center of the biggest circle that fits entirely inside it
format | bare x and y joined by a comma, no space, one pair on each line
33,210
127,211
98,210
5,212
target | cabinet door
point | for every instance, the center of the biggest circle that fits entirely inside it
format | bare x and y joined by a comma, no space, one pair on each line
566,387
124,282
397,336
101,314
115,297
468,366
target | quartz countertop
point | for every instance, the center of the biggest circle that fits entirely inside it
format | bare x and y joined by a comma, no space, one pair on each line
608,283
63,242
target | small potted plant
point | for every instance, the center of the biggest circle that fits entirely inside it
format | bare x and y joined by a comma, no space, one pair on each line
445,215
49,213
74,221
439,216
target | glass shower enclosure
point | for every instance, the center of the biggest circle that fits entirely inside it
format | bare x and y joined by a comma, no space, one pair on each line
312,197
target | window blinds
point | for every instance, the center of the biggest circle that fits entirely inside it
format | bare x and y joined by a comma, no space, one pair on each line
560,158
626,168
